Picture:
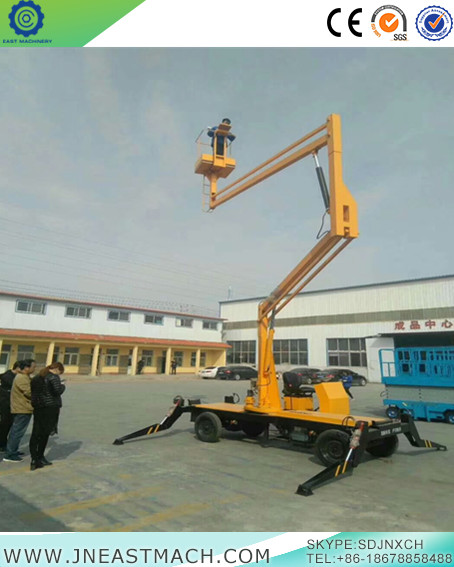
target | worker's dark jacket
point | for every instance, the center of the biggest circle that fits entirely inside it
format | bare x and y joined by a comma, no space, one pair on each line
47,391
6,383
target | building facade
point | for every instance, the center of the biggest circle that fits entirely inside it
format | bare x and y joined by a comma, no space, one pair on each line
347,327
93,338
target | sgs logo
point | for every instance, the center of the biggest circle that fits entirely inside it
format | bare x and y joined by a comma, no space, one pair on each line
389,22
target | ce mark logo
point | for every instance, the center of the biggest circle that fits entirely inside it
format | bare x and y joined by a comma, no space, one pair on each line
352,22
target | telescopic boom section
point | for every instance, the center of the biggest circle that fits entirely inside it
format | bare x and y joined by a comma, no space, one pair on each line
344,228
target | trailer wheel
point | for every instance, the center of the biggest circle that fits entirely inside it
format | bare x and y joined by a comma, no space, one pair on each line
253,428
208,427
385,448
331,446
393,412
449,416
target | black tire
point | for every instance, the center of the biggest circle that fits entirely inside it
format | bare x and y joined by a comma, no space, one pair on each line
208,427
449,416
385,448
253,428
393,412
362,382
236,377
332,446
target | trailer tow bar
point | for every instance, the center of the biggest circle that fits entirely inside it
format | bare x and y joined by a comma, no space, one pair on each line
361,437
170,418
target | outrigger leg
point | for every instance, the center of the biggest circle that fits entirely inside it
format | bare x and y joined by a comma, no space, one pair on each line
411,433
361,437
172,415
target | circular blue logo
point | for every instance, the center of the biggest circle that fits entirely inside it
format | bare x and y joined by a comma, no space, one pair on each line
26,18
434,23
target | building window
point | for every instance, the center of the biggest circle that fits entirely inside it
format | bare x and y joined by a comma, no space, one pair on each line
147,357
71,357
5,355
241,352
193,358
203,359
290,351
56,354
111,357
154,319
118,315
178,357
25,351
211,325
347,352
78,311
184,322
35,307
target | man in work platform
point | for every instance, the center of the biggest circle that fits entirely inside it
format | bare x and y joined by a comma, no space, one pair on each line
223,132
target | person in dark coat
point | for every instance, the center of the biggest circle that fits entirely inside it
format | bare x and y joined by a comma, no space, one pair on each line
46,390
6,417
140,366
220,140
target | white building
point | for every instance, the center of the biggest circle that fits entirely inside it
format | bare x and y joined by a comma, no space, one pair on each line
94,338
346,327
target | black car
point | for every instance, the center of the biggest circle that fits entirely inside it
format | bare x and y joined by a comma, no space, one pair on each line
336,375
236,373
302,375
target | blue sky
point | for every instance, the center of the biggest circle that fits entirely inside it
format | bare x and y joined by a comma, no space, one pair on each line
98,194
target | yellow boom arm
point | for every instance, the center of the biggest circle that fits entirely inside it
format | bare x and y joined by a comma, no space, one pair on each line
344,228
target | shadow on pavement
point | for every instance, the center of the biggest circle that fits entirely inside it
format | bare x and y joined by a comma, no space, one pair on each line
60,451
21,516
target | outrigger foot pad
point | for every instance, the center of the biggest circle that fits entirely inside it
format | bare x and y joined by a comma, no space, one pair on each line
330,473
118,442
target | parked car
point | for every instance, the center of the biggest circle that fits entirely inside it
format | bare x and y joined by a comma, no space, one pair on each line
236,373
302,375
209,372
336,375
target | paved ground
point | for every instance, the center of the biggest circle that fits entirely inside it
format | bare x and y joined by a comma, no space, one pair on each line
173,482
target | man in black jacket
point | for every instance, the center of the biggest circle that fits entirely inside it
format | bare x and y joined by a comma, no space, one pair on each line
6,418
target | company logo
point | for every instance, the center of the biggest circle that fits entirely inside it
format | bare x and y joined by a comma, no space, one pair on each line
389,22
352,22
434,23
26,18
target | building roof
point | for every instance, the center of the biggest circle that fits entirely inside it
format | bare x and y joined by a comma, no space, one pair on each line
363,286
19,333
109,305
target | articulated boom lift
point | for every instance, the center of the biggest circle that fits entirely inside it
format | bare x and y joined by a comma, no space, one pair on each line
338,437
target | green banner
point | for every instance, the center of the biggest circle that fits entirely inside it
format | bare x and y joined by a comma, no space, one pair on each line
58,23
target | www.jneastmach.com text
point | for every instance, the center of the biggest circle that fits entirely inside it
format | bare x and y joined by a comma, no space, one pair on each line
149,556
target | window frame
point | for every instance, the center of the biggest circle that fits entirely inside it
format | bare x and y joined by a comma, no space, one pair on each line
345,356
71,356
208,325
120,312
78,308
145,315
179,321
112,358
30,303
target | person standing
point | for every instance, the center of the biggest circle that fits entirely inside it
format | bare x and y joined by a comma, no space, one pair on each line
21,408
46,391
173,366
218,140
140,366
6,417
